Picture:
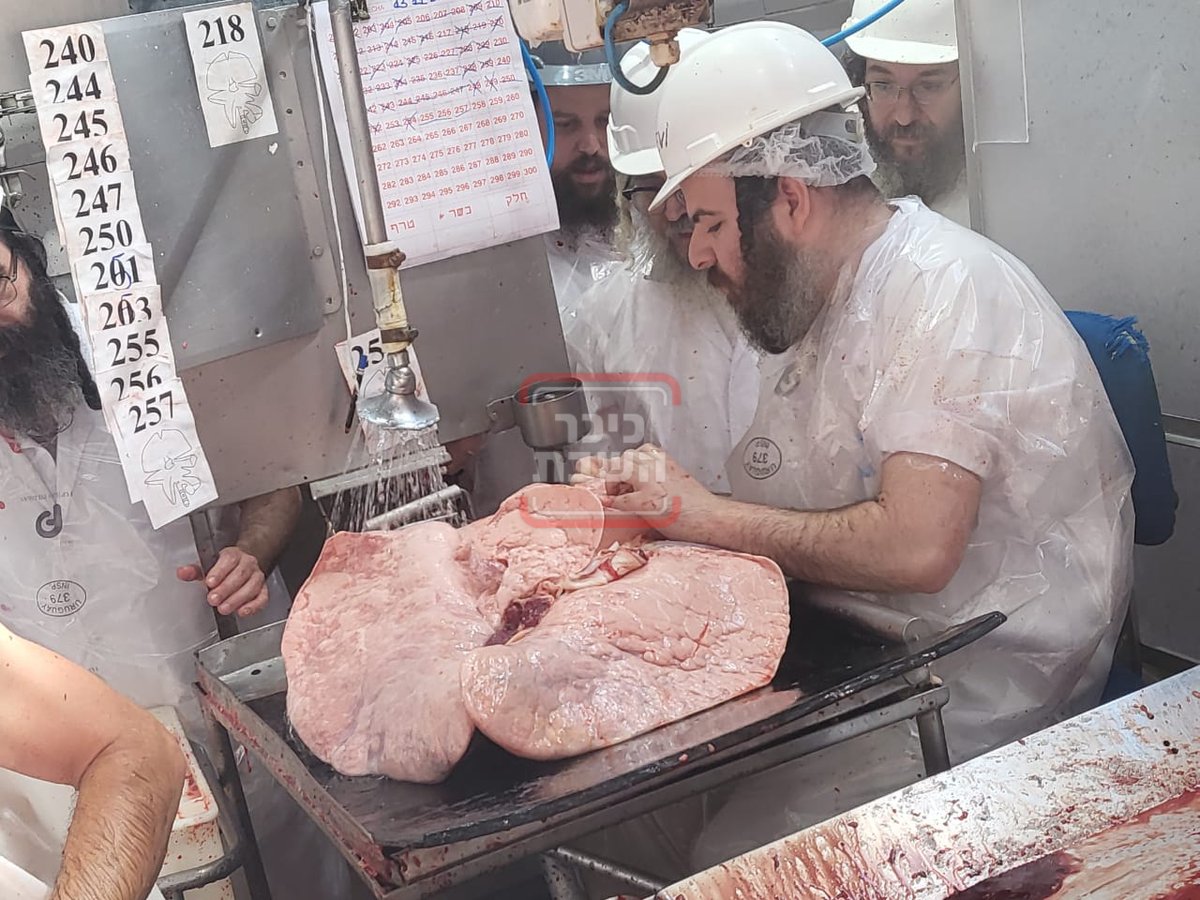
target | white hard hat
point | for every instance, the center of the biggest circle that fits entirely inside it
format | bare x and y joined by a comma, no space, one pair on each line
631,124
917,32
742,82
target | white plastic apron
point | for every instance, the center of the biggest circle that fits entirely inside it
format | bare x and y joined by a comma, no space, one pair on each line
86,575
947,346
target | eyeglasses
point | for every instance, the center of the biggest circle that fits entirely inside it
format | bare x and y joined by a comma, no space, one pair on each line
640,196
8,279
923,93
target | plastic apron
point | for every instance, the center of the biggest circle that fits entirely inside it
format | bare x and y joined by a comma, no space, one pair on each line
87,576
573,271
943,344
34,817
663,335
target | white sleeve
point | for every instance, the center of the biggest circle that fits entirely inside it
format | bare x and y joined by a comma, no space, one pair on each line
967,368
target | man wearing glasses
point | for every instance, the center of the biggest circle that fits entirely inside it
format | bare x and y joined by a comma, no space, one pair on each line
581,252
82,571
908,63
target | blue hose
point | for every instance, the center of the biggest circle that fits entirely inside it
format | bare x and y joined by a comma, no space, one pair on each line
543,99
614,65
859,26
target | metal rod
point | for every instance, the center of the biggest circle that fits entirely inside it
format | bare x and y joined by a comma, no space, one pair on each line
562,881
252,867
873,618
371,473
415,508
931,731
357,123
204,533
226,864
637,880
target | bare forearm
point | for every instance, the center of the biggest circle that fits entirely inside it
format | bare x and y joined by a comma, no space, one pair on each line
855,548
267,523
128,800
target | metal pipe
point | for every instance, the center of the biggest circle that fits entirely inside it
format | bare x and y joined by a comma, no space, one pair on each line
414,510
252,866
357,123
225,865
931,731
874,619
637,880
562,881
204,533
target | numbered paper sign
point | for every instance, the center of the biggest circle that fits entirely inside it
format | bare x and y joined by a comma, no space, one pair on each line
66,123
147,374
364,364
116,271
90,199
87,83
133,344
103,313
230,74
53,49
95,158
163,449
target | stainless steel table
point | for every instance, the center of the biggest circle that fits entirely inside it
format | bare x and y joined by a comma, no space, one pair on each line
412,841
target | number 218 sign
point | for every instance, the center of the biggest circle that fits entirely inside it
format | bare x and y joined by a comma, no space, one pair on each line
231,76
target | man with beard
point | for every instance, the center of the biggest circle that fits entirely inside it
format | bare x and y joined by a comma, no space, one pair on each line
688,380
908,63
581,251
84,573
931,433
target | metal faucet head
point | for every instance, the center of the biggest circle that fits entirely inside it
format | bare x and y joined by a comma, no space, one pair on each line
399,408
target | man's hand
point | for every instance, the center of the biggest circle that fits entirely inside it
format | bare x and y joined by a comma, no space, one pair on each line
647,484
235,583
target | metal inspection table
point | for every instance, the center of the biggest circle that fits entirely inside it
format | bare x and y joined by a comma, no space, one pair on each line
411,841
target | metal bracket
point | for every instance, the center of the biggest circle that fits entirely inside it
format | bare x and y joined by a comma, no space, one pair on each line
1182,430
16,102
502,414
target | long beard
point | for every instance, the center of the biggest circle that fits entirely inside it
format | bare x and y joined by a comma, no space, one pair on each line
931,177
585,214
40,382
781,293
653,252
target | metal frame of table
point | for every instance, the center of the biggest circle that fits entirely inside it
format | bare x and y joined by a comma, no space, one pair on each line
242,680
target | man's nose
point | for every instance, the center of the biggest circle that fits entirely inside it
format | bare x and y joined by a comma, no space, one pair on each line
593,142
700,252
906,110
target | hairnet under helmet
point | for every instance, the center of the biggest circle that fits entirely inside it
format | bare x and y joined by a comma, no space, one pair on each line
824,149
745,81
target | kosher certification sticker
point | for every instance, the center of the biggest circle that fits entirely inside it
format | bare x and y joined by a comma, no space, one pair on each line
762,458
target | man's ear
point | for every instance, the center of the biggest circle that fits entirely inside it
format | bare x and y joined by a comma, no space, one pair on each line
794,204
